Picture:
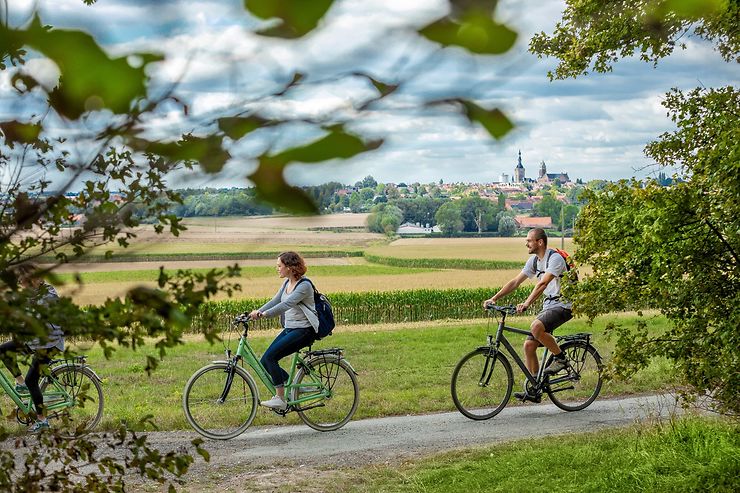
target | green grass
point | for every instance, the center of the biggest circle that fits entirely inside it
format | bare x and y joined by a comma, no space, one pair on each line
151,275
683,455
401,371
445,263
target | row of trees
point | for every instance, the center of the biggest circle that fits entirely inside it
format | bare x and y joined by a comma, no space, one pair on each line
676,246
469,214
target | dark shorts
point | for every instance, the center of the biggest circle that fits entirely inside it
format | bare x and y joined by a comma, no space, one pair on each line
553,318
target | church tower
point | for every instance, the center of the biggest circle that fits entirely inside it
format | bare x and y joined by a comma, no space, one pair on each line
519,170
543,169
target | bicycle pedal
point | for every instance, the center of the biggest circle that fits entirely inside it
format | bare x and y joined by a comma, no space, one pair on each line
280,413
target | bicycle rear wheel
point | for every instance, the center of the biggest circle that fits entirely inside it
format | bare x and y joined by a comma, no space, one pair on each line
85,406
577,386
335,375
481,384
213,414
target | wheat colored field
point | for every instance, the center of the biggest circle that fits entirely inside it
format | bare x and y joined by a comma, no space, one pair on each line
213,235
472,248
250,234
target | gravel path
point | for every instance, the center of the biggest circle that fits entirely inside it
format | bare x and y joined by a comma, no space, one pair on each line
261,456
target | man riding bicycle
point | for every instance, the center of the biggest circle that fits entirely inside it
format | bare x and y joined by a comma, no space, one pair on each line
548,267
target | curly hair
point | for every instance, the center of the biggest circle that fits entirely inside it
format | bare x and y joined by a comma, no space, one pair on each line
294,262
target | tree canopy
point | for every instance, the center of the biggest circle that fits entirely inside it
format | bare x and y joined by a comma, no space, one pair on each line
675,248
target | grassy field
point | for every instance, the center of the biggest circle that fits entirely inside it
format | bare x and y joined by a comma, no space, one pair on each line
512,249
391,361
683,455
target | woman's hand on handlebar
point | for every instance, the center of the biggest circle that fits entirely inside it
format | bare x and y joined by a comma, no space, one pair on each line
488,303
255,314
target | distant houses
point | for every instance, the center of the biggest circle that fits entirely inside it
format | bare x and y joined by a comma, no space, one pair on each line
527,222
416,229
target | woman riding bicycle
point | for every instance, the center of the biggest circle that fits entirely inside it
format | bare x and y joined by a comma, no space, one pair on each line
42,348
294,302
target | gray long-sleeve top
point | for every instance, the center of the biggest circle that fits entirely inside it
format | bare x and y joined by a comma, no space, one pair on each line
298,307
47,295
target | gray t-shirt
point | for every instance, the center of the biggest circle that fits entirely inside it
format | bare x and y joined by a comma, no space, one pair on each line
298,307
555,266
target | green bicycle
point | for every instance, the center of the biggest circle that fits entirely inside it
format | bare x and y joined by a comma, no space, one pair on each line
221,399
73,397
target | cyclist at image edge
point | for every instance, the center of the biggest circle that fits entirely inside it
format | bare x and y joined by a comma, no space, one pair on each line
42,349
547,266
294,302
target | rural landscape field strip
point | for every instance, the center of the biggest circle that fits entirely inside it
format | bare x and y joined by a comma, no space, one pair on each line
150,275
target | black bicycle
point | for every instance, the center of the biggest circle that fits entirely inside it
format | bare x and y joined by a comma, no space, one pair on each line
483,379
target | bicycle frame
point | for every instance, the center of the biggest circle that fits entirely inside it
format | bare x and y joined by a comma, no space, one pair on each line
245,352
494,345
61,397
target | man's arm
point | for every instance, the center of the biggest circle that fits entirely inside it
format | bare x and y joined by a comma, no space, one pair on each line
508,288
536,292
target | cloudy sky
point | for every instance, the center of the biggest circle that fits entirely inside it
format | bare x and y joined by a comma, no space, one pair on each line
594,127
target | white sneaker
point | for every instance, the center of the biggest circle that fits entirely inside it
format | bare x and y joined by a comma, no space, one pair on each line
275,403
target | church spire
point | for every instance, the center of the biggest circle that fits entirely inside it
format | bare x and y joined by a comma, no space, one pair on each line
519,170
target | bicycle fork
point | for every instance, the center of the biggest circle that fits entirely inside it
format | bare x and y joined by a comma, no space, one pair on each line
230,371
490,362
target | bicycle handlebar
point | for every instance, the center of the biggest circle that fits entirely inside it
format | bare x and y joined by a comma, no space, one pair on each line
507,309
241,319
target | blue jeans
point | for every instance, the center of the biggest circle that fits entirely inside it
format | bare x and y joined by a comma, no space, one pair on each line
286,343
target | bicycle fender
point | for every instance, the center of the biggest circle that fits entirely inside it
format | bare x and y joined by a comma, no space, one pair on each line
350,367
100,380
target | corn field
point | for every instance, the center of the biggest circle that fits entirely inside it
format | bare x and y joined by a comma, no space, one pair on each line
373,307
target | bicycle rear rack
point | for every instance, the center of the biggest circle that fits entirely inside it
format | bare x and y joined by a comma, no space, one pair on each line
580,336
334,351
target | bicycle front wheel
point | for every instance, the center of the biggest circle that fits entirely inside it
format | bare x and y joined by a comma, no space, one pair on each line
481,384
85,402
213,410
320,412
577,386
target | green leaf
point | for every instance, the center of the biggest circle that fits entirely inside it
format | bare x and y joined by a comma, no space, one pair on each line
207,151
299,17
336,144
694,9
90,79
476,32
23,83
22,133
383,88
271,187
494,121
238,127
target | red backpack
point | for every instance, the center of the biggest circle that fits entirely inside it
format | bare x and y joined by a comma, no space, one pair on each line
570,265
